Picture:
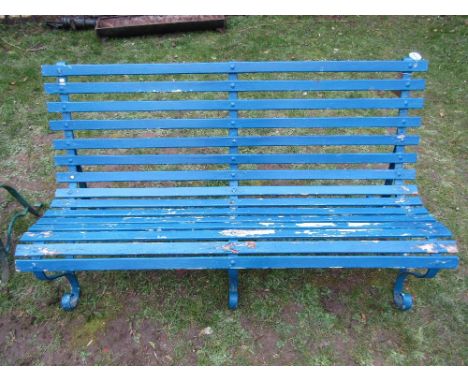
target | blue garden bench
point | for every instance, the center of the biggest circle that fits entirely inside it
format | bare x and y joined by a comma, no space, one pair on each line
236,165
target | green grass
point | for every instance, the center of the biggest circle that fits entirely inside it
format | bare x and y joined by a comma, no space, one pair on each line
285,317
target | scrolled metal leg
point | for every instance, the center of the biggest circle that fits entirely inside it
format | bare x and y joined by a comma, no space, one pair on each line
233,288
403,300
70,300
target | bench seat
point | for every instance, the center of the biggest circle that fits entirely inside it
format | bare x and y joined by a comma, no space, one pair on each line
377,229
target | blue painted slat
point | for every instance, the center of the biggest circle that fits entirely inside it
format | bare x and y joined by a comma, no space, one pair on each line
148,192
254,141
216,123
241,248
259,224
233,67
299,220
265,233
201,175
149,203
242,104
239,211
225,262
226,86
141,159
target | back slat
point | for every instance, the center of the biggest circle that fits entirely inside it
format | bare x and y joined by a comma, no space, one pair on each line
251,104
217,123
161,159
237,67
325,140
225,86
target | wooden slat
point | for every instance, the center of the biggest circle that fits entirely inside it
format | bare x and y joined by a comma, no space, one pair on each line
241,104
141,236
241,247
226,86
162,159
241,262
216,123
253,141
222,202
196,225
202,175
233,67
237,211
148,192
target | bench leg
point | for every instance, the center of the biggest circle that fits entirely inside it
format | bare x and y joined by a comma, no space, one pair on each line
403,300
70,300
233,292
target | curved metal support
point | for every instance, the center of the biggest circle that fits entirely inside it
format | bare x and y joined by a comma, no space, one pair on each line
233,288
70,300
5,249
403,300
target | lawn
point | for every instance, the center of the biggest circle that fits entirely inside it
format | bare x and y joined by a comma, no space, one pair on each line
299,317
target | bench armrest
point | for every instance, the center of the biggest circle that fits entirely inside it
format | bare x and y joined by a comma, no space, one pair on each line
6,248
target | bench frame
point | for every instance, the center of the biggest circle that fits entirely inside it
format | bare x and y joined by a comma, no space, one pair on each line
229,259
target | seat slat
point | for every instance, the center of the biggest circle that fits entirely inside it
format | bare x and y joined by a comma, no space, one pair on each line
240,248
216,123
149,203
148,192
134,236
242,262
226,86
233,224
233,67
241,104
238,211
302,220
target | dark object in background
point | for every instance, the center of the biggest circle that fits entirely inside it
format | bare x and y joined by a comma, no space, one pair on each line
73,22
120,26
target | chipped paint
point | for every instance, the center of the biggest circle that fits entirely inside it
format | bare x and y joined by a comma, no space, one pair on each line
266,224
251,244
46,233
245,233
450,248
430,248
47,252
229,248
401,200
176,91
404,188
358,224
315,224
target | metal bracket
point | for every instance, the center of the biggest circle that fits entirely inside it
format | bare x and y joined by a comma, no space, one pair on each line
5,249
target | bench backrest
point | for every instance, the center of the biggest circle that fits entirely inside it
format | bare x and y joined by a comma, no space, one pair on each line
235,123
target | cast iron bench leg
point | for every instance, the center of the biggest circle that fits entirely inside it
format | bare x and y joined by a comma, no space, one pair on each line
403,300
70,300
233,292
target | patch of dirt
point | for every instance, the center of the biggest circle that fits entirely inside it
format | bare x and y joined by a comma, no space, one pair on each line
24,341
290,311
267,351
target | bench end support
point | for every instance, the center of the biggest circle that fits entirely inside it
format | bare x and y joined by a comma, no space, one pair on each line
403,300
69,301
233,288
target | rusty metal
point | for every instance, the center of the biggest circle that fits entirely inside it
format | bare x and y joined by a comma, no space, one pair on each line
120,26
